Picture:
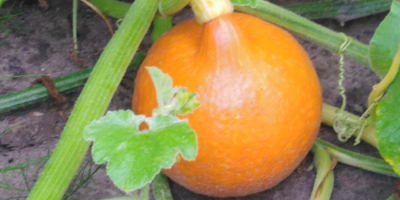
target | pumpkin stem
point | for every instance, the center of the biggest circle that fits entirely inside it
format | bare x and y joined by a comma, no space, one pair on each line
206,10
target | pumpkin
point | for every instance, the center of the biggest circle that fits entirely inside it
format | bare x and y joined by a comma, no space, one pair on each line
260,101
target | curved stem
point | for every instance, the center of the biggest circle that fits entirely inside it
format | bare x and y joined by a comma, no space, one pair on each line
380,88
311,31
358,160
102,16
323,184
93,101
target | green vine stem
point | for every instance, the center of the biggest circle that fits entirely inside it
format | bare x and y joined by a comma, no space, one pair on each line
380,88
323,184
357,160
329,113
65,83
160,26
340,9
160,188
313,32
93,101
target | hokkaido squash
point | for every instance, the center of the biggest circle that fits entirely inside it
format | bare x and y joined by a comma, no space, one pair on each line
260,101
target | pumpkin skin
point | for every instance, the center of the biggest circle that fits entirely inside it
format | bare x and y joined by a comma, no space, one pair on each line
260,102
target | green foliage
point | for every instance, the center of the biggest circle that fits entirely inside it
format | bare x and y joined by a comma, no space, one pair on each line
163,85
385,42
136,156
384,46
388,126
171,100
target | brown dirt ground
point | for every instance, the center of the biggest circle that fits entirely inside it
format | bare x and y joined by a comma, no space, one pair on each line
41,42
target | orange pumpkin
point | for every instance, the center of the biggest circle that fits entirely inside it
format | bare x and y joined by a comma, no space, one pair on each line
260,102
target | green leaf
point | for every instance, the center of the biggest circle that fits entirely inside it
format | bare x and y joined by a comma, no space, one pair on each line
163,84
173,101
384,46
134,157
184,102
388,126
385,42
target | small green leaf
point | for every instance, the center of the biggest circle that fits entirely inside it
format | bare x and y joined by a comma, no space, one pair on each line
134,157
184,102
173,101
385,42
163,84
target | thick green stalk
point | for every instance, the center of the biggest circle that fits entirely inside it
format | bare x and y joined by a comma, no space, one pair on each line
65,83
160,188
357,160
93,101
160,26
340,9
313,32
323,184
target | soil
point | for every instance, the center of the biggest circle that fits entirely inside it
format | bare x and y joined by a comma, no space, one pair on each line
40,42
